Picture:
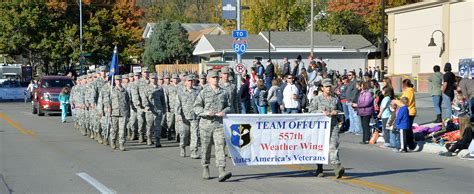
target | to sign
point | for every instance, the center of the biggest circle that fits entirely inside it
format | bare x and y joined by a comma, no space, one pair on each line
240,46
240,68
239,34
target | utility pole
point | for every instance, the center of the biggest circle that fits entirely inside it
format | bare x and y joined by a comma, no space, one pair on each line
239,57
382,44
81,58
269,44
312,27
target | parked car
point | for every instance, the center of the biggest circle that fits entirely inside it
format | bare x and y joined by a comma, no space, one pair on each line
45,96
11,90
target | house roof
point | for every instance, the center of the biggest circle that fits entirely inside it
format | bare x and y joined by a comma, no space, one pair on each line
189,27
195,36
286,42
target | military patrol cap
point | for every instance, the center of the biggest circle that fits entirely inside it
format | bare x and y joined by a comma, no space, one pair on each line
153,76
166,76
327,82
130,75
136,74
160,77
212,73
125,76
174,76
145,69
183,74
191,77
116,77
225,70
202,76
102,68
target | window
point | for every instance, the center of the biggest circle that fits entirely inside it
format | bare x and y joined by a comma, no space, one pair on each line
228,58
258,58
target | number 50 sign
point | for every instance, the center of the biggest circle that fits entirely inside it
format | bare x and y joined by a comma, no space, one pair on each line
240,46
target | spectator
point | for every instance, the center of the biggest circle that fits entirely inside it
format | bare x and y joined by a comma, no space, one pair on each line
343,100
466,131
448,88
352,95
365,109
30,89
435,89
388,84
409,93
273,97
467,88
371,74
294,69
260,70
384,114
289,96
286,67
244,96
253,88
301,83
345,72
394,132
377,73
262,97
403,124
269,74
63,99
360,73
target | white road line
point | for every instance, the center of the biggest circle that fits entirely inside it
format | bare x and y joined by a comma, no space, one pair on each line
99,186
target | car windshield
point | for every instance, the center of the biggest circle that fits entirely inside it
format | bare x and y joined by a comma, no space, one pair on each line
57,83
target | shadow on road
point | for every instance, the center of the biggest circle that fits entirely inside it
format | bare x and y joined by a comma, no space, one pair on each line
300,173
355,175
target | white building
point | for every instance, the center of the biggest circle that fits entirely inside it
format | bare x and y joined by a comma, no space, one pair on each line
339,51
410,28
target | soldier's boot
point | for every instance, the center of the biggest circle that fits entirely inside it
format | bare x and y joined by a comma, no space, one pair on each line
195,155
205,173
319,171
99,139
140,139
83,131
133,136
339,171
122,147
178,138
112,145
183,152
148,140
223,176
92,135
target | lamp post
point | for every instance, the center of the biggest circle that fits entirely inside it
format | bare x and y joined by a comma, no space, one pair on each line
432,43
382,43
81,57
312,27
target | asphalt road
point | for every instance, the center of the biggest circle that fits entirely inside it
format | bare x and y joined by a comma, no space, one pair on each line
42,155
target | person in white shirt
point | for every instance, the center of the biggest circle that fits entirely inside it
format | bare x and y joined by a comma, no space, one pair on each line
290,96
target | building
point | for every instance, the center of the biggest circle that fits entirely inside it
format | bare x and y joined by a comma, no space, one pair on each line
410,29
338,51
195,30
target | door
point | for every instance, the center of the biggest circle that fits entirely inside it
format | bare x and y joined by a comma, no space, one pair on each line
415,69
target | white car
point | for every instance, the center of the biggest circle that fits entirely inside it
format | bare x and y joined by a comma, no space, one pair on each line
12,91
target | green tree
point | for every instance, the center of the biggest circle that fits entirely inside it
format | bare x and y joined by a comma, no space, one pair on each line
344,22
168,44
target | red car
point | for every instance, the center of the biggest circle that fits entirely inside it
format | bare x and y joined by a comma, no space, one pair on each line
45,96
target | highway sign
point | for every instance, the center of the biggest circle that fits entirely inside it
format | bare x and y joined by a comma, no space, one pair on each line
239,34
229,9
240,46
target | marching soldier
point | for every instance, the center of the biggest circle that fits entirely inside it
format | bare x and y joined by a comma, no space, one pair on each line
104,115
155,106
171,95
202,81
119,110
134,96
327,104
211,105
96,87
231,89
166,129
189,133
142,84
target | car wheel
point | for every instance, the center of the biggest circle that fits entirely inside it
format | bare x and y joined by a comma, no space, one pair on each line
40,112
33,107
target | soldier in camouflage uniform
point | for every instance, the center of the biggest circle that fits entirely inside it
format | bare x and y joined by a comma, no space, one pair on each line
202,81
80,101
95,88
72,101
327,104
165,129
127,87
141,97
155,106
189,133
171,95
104,115
212,103
133,90
231,89
119,109
178,122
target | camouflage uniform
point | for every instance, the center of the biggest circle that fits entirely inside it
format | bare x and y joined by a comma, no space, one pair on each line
133,123
190,126
142,84
320,104
120,103
211,127
103,106
164,123
171,96
232,91
155,107
178,122
81,110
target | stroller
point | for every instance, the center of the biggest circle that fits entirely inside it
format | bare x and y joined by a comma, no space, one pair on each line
375,129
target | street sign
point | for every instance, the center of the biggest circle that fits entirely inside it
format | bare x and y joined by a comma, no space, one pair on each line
239,34
240,68
229,9
240,46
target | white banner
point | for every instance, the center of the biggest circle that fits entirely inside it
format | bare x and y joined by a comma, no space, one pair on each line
277,139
